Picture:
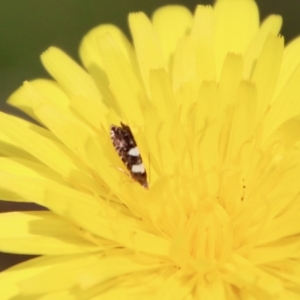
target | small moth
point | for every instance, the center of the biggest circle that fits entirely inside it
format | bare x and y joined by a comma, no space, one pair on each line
125,145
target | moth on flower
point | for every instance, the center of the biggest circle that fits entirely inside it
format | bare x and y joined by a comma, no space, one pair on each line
125,145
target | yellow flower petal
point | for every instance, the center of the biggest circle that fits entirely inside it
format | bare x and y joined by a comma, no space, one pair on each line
271,26
276,252
50,152
148,50
126,231
53,237
77,83
87,213
124,83
26,167
203,35
10,280
230,79
242,126
289,63
161,92
286,104
90,55
240,20
70,130
65,295
109,267
70,266
9,148
270,61
185,69
251,279
31,94
171,24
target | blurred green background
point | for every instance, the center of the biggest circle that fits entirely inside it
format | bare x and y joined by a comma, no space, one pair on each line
28,27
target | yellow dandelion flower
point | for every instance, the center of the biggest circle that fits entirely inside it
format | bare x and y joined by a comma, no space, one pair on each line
210,104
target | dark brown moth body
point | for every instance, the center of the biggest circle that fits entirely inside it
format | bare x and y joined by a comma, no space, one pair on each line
125,145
